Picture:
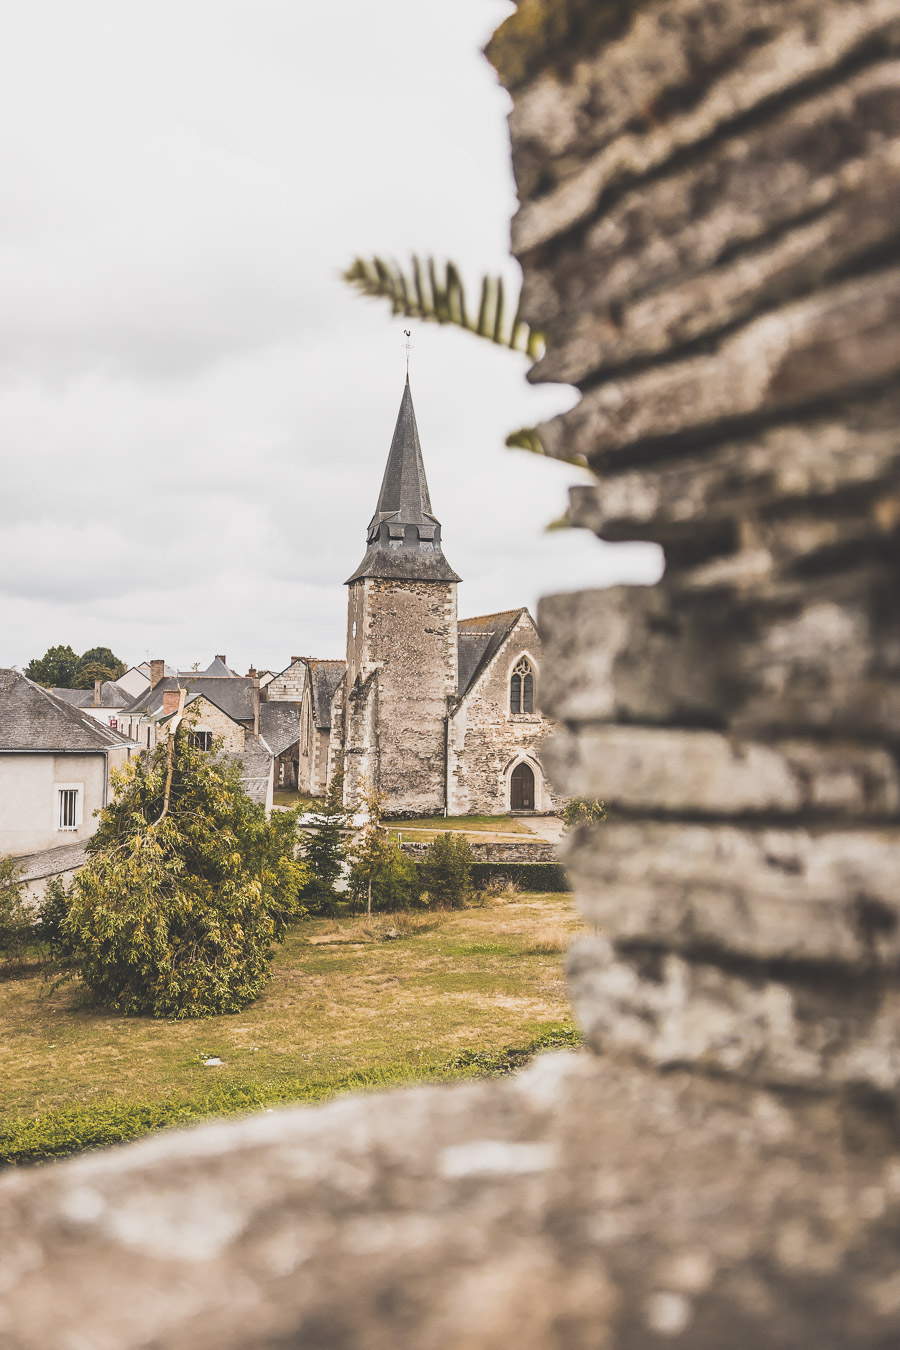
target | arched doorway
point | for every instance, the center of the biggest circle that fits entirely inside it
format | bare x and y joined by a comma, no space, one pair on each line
521,788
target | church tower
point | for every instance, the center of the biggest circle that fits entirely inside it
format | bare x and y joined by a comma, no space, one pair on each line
401,642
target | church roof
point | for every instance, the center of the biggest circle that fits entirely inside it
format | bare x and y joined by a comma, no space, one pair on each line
479,639
324,678
404,535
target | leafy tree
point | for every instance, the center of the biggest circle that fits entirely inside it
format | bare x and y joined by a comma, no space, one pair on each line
583,811
91,672
447,869
325,851
17,923
57,667
62,668
186,886
381,875
102,656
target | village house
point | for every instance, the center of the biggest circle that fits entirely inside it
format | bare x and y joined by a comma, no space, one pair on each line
104,702
55,766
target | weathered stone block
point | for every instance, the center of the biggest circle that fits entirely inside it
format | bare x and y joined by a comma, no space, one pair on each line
832,343
673,75
824,1031
850,452
789,658
673,771
762,893
766,214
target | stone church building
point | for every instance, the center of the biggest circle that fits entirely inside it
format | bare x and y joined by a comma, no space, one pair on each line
435,713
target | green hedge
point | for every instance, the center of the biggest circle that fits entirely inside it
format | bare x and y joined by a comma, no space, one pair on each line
544,876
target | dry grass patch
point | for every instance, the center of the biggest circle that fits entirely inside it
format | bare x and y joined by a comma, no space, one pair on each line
347,1006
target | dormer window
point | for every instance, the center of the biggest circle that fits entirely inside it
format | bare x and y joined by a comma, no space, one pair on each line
521,688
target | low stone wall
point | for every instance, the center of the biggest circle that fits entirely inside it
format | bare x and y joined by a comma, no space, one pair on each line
488,851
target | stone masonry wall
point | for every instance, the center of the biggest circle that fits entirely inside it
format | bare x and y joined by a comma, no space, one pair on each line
290,684
396,738
212,719
493,851
708,234
486,740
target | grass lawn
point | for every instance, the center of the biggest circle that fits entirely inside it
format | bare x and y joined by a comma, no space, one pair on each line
291,797
468,824
457,993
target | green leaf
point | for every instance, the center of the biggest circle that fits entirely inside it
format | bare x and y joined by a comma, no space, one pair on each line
424,294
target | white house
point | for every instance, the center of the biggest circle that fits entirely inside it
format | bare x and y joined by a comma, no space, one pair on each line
55,764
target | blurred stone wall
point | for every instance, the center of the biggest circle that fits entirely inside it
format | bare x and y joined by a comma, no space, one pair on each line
708,231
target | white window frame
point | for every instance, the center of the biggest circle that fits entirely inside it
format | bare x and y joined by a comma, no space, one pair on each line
58,790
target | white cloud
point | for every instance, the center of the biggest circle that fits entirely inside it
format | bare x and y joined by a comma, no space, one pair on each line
194,409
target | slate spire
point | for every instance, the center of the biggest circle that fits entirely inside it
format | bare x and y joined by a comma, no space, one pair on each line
404,535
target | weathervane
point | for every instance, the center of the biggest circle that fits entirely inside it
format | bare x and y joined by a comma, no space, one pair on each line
408,345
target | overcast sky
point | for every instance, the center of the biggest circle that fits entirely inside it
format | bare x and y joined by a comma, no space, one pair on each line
194,410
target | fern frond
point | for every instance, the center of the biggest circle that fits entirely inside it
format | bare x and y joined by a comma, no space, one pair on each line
422,293
526,439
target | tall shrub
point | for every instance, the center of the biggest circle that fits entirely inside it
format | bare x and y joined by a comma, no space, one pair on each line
447,869
186,887
325,851
16,921
382,877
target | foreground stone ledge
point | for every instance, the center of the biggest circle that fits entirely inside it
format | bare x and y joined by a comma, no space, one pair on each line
609,122
816,1030
850,449
649,275
669,770
788,894
513,1213
834,342
811,656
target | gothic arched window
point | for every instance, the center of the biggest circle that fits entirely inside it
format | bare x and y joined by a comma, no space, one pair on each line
521,687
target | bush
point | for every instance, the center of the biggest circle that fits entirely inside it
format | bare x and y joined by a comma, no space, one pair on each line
382,877
446,870
16,920
540,877
583,811
186,886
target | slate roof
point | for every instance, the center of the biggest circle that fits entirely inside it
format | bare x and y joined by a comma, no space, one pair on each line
51,862
256,761
324,678
111,696
234,695
279,724
478,641
33,718
216,669
404,536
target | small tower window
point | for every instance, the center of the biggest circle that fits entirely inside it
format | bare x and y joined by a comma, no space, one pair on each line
521,688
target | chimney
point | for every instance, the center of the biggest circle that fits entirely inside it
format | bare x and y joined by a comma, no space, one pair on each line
170,701
157,671
251,673
220,657
256,705
98,694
